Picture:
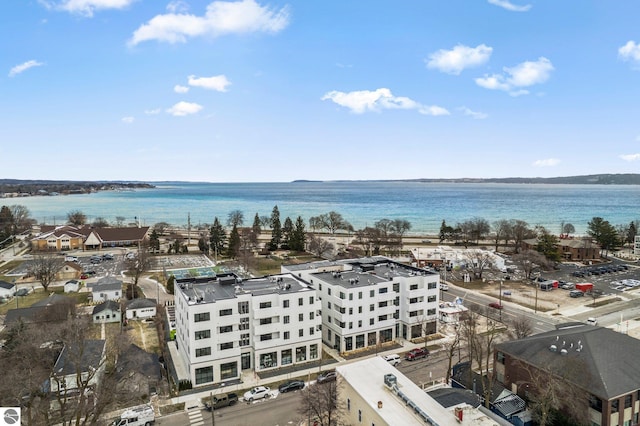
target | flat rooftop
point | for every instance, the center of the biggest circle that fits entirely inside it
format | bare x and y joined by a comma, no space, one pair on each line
221,287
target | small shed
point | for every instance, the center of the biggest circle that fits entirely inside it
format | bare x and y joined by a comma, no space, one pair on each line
7,289
141,309
72,286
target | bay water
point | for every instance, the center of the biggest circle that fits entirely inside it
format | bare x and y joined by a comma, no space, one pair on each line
424,204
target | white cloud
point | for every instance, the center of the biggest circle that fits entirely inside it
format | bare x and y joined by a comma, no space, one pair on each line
474,114
217,82
506,4
154,111
630,52
630,157
184,108
85,7
549,162
128,120
522,75
177,6
180,89
460,57
366,100
220,18
23,67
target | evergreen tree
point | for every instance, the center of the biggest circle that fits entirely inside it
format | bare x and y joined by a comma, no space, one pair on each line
257,225
287,230
6,223
276,229
298,238
234,243
154,241
217,237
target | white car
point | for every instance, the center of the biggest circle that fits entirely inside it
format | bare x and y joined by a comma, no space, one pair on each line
592,321
258,392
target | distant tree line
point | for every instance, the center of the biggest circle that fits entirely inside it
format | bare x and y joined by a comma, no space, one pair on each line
47,187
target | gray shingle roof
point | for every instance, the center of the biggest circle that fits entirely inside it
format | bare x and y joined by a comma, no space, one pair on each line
607,361
109,304
141,303
89,355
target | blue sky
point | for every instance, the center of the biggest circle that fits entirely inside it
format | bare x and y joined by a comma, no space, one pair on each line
266,91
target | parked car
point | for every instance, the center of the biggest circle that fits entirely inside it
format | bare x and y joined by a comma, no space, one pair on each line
568,286
327,376
495,305
393,359
576,293
22,291
220,401
84,276
444,287
291,385
69,258
258,392
592,321
107,256
416,353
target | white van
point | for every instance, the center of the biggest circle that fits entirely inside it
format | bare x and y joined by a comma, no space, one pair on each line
393,359
142,415
592,321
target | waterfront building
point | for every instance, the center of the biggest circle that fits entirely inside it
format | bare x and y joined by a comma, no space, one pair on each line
368,302
225,326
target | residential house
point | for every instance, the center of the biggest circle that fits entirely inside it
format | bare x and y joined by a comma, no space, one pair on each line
107,288
371,301
571,249
376,393
57,238
225,326
7,290
55,308
69,270
106,312
79,367
67,237
596,369
140,309
72,286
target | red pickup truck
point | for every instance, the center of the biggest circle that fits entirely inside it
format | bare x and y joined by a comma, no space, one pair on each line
416,353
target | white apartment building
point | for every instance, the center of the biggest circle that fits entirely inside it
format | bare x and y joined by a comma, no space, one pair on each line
225,326
370,301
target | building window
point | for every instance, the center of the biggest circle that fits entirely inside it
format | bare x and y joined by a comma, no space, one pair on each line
204,334
615,405
350,325
311,329
431,286
382,290
229,370
359,323
243,307
431,299
382,304
348,404
359,309
265,305
301,354
372,307
329,291
627,401
431,311
396,287
360,416
371,321
328,305
342,295
311,315
227,345
244,339
300,317
204,375
359,295
286,335
203,351
264,337
244,324
268,360
301,332
285,303
300,301
225,312
226,329
285,319
313,351
500,357
286,357
204,316
413,287
382,318
372,293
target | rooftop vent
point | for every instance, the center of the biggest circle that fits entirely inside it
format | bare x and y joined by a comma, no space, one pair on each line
563,351
553,348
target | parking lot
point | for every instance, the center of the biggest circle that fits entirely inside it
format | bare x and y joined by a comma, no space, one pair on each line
607,278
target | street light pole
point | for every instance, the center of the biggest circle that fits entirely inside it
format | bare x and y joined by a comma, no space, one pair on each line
500,301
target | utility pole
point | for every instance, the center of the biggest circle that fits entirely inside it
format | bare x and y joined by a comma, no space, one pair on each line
188,229
213,410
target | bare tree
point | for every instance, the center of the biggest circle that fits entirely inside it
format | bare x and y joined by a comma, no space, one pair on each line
320,403
477,261
529,261
21,217
331,221
161,227
501,232
521,327
236,218
552,391
520,231
76,218
451,347
140,263
320,247
100,222
45,267
120,220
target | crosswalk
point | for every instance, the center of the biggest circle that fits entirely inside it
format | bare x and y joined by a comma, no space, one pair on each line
195,415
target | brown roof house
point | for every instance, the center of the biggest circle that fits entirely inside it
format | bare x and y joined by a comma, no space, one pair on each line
593,371
67,237
572,249
114,237
58,238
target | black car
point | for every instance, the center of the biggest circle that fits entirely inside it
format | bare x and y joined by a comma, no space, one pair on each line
327,376
291,385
